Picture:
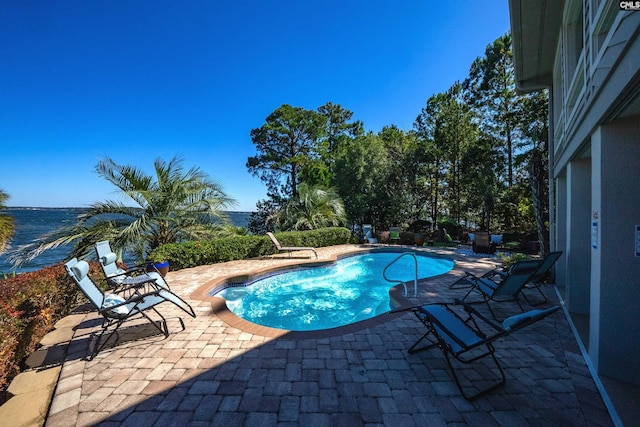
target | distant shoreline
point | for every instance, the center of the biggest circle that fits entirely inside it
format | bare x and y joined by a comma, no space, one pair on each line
32,223
8,208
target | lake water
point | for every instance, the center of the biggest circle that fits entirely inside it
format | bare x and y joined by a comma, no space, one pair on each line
32,223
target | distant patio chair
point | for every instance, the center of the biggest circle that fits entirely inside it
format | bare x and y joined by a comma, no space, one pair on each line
367,231
458,334
482,243
289,248
125,303
394,234
117,276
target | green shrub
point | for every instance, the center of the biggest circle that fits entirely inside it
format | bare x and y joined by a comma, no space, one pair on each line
452,227
193,254
509,260
30,304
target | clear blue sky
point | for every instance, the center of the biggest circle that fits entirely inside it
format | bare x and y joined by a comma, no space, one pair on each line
136,80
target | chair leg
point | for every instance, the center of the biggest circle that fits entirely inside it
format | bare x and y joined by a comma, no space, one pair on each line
431,344
461,283
163,328
468,293
534,304
493,314
483,391
100,347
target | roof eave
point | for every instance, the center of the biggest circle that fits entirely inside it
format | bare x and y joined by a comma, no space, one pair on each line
535,31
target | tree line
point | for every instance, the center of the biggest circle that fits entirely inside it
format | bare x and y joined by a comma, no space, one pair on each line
473,157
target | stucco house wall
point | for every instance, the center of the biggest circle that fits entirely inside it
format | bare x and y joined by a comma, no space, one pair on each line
587,53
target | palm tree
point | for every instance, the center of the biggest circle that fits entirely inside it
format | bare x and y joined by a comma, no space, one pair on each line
312,208
6,224
173,206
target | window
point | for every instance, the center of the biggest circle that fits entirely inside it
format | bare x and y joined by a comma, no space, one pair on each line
574,36
604,17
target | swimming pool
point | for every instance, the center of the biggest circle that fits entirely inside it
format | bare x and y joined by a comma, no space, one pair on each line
323,297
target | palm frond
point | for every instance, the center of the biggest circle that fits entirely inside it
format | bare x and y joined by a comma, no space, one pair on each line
172,206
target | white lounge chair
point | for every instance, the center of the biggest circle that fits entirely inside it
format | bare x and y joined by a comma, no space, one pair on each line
117,276
125,302
289,248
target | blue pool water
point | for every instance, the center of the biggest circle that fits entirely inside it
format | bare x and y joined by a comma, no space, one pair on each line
315,298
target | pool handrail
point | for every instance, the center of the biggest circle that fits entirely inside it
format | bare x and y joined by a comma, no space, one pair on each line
415,280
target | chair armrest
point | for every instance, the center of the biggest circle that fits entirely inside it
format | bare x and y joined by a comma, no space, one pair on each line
136,269
475,314
144,284
135,298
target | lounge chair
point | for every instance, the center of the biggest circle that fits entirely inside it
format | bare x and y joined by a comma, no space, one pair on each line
367,231
117,276
507,289
394,234
538,277
125,303
462,337
289,248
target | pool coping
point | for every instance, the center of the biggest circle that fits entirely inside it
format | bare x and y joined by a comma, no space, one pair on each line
397,299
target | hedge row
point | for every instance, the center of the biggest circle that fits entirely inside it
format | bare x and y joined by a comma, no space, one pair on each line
30,304
193,254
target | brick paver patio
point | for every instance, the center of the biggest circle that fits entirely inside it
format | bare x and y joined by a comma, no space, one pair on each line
213,373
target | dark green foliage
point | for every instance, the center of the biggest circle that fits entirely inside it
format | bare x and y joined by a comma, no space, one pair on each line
287,144
466,157
315,238
452,227
263,218
509,260
312,208
193,254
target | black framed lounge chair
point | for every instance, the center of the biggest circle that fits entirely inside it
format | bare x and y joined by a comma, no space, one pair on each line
537,279
289,248
541,275
117,276
124,303
459,334
507,289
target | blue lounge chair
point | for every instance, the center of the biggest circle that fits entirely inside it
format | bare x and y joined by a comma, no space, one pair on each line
125,303
537,279
541,275
507,289
458,334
